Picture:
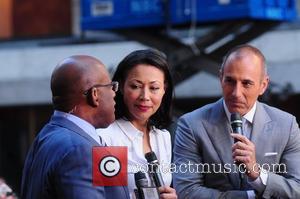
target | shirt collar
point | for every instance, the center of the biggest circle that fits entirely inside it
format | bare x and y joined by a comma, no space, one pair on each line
84,125
248,116
130,130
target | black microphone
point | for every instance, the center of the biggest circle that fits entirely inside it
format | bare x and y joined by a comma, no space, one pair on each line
236,124
140,182
237,127
154,170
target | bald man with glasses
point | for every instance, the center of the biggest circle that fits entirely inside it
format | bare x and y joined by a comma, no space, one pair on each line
59,162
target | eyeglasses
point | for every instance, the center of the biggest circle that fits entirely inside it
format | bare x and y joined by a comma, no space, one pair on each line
114,86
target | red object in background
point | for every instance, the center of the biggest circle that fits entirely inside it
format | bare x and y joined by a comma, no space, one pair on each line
36,18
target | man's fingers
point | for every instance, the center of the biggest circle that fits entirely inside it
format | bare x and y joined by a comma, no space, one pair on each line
241,138
167,192
240,152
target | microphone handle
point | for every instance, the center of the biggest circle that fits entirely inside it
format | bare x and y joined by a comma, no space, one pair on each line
239,130
154,172
139,194
158,180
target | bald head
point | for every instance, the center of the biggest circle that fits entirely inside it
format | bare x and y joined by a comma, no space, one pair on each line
242,52
71,78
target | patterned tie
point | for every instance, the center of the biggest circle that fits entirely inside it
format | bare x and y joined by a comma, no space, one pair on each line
247,132
246,128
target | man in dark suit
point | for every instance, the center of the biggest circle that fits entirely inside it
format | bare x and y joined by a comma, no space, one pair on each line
268,150
59,163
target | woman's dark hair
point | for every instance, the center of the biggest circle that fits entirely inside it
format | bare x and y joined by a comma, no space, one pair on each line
162,117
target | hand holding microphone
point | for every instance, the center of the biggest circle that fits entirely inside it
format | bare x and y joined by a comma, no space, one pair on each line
243,150
165,192
237,128
236,124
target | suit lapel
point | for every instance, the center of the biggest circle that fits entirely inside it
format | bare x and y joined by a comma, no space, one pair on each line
63,122
261,131
218,129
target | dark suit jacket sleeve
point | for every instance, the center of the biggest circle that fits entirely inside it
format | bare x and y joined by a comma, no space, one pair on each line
287,185
74,175
188,183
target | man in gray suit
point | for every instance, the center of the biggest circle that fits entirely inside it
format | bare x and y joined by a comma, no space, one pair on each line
264,162
59,162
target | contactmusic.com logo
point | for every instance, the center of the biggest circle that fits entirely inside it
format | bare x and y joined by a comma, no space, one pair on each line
110,166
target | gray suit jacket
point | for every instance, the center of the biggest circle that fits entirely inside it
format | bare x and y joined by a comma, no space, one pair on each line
203,136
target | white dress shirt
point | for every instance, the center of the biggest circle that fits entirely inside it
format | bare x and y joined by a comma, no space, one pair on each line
259,183
123,133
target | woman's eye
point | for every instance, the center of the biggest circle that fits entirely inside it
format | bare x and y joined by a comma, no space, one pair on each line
154,88
133,86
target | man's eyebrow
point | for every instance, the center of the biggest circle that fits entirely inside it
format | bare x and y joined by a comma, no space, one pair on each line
248,81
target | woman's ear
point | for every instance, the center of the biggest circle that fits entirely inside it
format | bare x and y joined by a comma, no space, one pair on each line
165,86
121,88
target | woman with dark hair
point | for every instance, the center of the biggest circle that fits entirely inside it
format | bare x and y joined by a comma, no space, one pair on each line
143,111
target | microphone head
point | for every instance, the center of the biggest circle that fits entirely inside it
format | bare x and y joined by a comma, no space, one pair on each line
154,170
140,179
236,120
151,157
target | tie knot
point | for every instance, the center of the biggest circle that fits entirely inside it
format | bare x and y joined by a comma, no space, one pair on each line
244,119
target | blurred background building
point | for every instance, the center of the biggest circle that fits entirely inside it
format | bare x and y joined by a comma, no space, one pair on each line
194,34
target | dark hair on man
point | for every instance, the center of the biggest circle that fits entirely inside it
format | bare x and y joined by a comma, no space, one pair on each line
239,52
162,117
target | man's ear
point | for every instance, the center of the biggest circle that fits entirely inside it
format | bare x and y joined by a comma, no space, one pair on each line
93,97
220,75
264,84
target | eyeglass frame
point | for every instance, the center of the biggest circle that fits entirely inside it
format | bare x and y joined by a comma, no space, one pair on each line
114,86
